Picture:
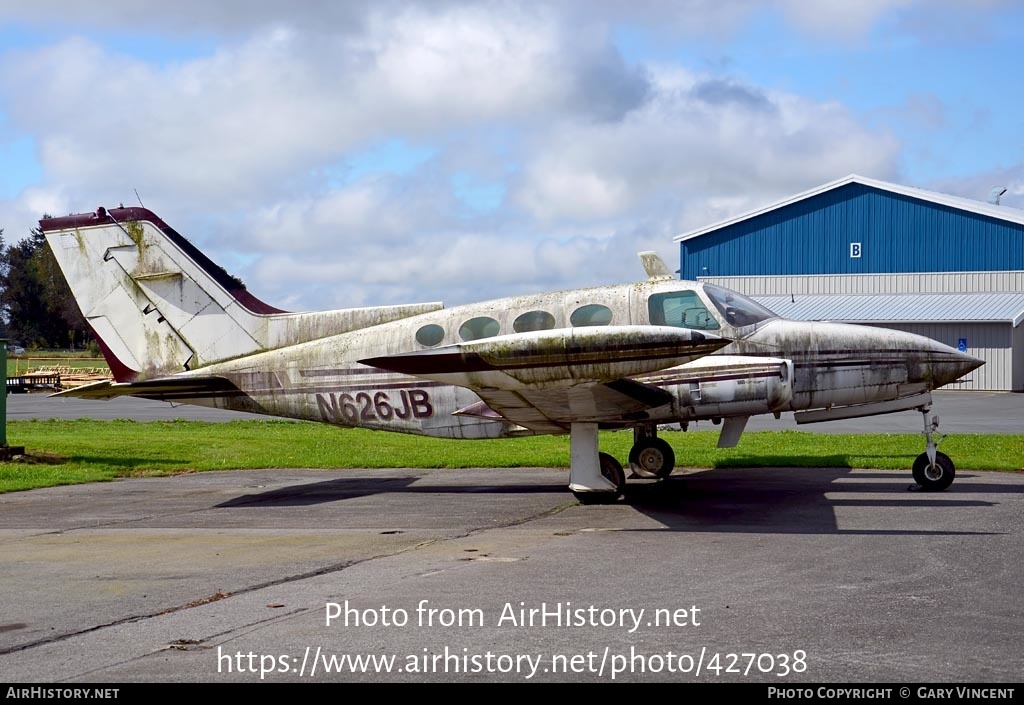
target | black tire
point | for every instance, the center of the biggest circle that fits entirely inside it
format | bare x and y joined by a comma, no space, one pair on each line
612,471
934,478
596,497
652,457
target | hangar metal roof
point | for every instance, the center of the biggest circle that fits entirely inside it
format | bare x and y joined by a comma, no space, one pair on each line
1007,307
1013,215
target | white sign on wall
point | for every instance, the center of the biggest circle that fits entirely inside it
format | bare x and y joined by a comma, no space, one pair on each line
855,250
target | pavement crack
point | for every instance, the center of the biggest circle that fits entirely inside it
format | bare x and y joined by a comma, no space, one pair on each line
324,570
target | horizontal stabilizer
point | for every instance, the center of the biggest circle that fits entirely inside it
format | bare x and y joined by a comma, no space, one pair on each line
162,389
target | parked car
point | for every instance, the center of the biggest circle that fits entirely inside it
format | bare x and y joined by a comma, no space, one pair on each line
15,350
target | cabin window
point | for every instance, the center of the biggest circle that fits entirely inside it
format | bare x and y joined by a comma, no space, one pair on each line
591,315
479,327
430,335
682,309
533,320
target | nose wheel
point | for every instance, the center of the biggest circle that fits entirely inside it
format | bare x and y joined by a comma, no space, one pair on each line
934,476
933,471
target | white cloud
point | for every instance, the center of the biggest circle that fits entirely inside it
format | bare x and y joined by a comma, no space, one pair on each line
839,19
20,215
192,16
980,186
241,123
239,16
598,158
698,135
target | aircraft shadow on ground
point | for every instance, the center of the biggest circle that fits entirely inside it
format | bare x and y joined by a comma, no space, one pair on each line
352,488
746,500
794,500
788,461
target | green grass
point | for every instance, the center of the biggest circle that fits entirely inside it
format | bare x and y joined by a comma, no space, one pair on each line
67,452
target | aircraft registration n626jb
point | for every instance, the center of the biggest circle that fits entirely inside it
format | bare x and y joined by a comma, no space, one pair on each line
174,326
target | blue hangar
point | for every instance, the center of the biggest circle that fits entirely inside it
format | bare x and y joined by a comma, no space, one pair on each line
865,251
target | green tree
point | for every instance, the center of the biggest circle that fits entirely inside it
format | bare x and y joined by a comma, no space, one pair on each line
35,299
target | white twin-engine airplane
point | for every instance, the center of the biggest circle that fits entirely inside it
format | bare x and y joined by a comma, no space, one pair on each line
174,326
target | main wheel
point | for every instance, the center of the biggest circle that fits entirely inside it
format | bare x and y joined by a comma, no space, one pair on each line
652,457
937,477
612,471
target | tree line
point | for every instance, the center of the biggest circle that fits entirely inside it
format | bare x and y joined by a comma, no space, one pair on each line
36,305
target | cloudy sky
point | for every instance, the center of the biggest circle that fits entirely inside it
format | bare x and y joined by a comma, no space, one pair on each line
354,153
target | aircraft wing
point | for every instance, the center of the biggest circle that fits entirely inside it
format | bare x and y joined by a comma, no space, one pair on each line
160,388
548,410
544,380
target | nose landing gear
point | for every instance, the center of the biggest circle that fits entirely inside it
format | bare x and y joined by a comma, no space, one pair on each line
933,471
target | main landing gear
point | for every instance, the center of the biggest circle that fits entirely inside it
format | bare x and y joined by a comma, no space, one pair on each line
933,471
598,478
650,456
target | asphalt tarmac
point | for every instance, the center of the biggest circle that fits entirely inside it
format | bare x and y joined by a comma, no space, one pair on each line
779,576
833,575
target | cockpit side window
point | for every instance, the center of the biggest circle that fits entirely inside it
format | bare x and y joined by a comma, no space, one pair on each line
738,310
682,309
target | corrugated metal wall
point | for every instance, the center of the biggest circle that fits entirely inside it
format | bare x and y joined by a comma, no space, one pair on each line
1018,360
989,341
919,283
896,233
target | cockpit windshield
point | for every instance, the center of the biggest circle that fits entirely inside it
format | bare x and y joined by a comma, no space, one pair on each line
737,309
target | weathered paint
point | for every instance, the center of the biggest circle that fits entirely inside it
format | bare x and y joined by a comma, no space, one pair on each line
373,372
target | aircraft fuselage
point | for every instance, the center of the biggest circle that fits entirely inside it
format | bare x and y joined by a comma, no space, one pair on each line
772,365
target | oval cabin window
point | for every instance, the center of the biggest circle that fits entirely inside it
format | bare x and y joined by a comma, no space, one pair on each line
591,315
533,320
430,335
479,327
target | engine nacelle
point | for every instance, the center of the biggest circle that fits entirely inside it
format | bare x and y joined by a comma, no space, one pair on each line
735,386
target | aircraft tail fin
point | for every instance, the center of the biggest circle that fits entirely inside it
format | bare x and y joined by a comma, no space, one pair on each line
160,306
654,265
